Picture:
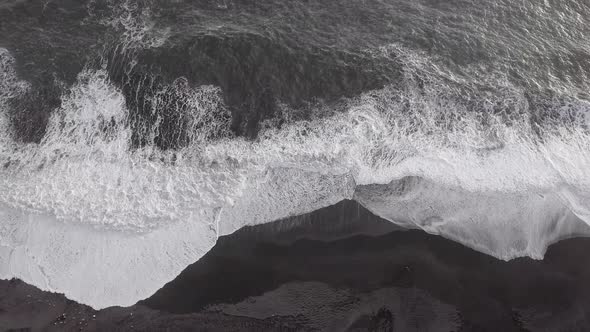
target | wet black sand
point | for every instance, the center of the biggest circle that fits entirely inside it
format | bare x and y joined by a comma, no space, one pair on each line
339,268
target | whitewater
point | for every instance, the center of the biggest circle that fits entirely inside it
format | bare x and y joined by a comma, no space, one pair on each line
86,213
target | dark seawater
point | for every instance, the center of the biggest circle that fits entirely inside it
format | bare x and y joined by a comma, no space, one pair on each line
265,53
275,165
337,269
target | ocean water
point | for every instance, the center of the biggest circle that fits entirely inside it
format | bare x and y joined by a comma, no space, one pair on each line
133,134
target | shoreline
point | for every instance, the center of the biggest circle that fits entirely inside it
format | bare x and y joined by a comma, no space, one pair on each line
336,269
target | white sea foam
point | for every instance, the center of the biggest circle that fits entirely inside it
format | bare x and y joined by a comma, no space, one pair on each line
10,87
134,20
86,214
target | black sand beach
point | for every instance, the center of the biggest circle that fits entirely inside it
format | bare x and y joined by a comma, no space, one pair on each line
337,269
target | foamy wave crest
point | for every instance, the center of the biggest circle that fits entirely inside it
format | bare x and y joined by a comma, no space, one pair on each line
88,214
10,87
134,20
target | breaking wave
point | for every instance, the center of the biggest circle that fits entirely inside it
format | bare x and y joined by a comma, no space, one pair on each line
483,163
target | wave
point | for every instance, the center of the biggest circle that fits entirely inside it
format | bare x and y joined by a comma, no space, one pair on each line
107,222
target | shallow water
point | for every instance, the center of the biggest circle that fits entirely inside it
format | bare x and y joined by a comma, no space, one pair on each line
337,269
